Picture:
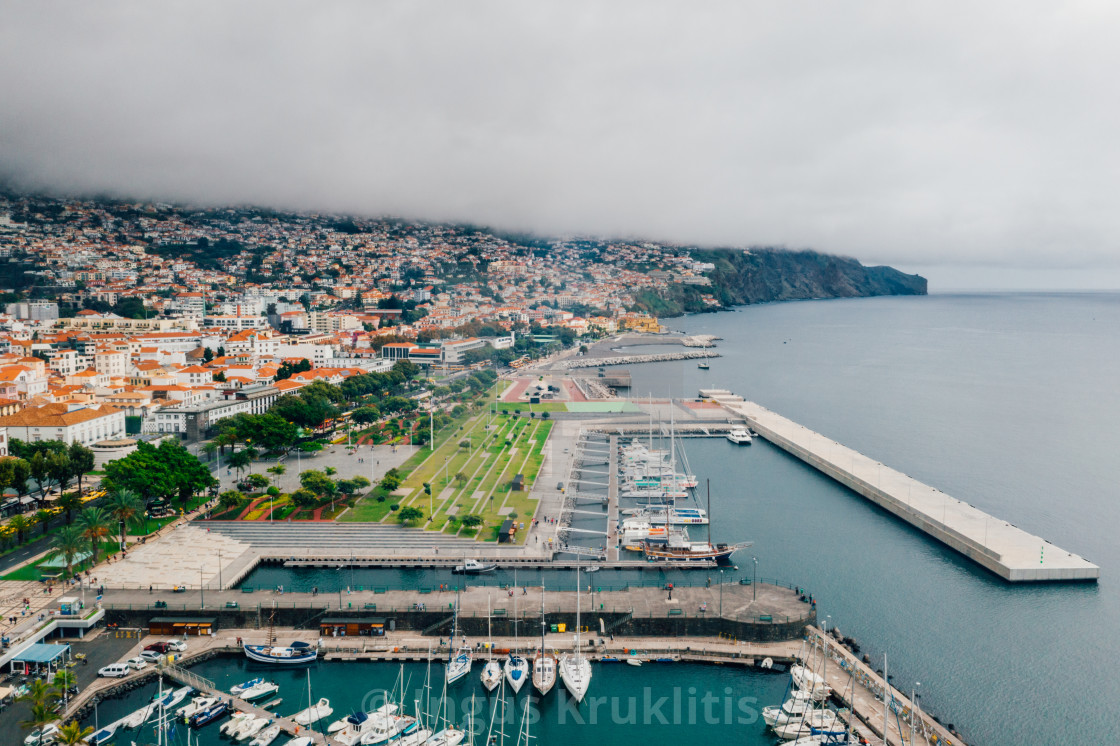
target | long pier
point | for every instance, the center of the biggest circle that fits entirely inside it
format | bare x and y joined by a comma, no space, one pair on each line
595,362
1006,550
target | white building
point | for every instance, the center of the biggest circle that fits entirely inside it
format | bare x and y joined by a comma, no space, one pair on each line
68,422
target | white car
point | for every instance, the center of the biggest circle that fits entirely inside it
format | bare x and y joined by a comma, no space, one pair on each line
47,735
179,646
151,656
137,663
114,670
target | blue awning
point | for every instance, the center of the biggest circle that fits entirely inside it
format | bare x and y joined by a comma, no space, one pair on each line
42,652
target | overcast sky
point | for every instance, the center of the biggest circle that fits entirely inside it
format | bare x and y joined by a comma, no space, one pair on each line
976,142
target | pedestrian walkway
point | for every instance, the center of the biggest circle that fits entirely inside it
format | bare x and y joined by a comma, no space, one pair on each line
184,555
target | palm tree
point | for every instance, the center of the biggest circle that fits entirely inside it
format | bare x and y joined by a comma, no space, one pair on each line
73,734
277,471
43,518
125,506
70,501
39,692
95,526
21,524
68,543
42,713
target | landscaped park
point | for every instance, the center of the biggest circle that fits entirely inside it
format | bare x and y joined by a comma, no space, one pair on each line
466,485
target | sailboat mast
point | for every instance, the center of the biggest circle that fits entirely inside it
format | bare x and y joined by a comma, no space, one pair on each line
578,581
708,483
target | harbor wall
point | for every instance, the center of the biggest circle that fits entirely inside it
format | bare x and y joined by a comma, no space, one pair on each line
439,622
975,551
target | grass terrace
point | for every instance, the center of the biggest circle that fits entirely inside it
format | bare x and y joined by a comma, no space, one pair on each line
471,472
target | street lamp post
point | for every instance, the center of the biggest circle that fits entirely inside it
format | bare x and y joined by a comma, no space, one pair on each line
754,581
201,588
721,594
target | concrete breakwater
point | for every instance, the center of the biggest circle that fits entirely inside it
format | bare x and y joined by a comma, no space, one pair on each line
583,362
1004,549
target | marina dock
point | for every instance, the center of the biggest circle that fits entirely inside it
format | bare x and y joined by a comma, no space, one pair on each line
1006,550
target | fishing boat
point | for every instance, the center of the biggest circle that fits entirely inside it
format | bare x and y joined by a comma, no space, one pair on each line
474,567
198,704
297,653
544,664
575,669
314,713
209,715
458,664
702,365
261,690
740,436
492,671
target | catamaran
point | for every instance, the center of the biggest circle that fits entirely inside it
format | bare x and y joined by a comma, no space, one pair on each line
575,670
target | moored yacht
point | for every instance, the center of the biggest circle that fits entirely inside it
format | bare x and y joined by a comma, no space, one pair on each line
740,436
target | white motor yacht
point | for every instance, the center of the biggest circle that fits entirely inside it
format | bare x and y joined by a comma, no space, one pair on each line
740,436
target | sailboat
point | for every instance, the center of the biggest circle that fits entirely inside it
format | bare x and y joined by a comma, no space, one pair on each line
492,671
458,664
544,664
575,670
516,667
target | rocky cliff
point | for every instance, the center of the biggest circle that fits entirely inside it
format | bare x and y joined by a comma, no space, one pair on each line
766,275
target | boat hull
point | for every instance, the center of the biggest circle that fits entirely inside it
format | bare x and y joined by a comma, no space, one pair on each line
291,656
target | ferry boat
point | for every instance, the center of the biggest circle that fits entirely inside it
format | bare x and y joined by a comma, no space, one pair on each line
740,436
659,516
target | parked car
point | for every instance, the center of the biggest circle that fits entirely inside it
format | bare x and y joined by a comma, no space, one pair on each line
137,663
48,735
114,670
178,646
151,656
162,646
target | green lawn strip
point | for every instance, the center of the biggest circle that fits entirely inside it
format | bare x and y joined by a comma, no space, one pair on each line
474,481
519,501
109,547
498,483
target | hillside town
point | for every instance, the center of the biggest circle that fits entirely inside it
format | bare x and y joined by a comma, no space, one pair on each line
128,319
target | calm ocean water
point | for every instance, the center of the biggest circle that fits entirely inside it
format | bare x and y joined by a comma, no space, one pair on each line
1008,401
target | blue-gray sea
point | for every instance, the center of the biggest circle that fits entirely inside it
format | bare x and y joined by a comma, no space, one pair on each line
1008,401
